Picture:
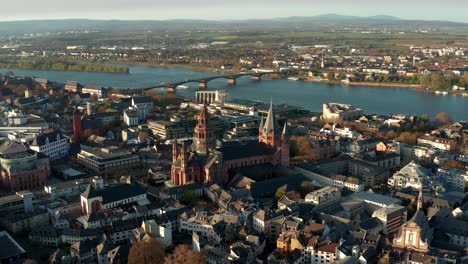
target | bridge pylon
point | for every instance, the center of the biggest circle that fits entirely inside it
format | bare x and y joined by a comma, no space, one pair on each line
203,85
232,81
256,77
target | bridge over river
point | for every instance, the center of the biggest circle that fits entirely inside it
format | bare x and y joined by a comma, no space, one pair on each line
203,82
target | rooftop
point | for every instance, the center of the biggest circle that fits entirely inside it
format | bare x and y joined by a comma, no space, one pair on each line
10,248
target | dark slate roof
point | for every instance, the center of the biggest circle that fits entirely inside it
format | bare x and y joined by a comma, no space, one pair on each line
87,123
8,246
42,139
114,193
28,100
142,99
245,149
268,188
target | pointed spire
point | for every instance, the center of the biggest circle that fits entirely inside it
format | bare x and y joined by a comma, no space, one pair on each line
271,123
285,128
420,200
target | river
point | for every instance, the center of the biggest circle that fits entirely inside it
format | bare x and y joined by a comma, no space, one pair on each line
309,95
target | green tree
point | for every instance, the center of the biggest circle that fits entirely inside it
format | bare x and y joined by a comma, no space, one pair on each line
280,192
331,76
188,197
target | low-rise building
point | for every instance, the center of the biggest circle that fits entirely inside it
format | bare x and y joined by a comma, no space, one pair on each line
104,160
412,175
97,197
324,197
335,111
52,144
392,217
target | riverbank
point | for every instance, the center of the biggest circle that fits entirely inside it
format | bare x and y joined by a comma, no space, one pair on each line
52,65
374,84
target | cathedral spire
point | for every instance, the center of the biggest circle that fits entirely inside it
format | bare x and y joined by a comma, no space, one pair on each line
271,124
285,129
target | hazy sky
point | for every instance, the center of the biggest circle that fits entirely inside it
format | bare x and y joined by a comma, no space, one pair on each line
453,10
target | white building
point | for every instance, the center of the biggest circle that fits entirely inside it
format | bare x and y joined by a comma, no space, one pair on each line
97,198
335,111
52,144
141,111
130,117
412,175
325,196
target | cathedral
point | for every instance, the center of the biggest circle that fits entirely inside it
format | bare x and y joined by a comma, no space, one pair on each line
204,161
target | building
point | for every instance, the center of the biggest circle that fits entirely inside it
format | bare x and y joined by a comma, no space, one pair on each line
204,162
104,160
18,202
52,144
21,168
353,184
334,111
412,175
130,117
171,130
93,90
392,217
143,101
324,197
438,143
369,173
141,111
11,250
73,86
97,198
416,234
210,97
18,122
453,179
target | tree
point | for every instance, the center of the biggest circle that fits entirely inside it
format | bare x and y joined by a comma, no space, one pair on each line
408,137
183,254
188,197
280,192
147,251
453,164
464,79
331,76
436,82
443,118
306,187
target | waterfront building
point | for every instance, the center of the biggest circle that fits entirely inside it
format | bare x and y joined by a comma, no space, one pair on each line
334,111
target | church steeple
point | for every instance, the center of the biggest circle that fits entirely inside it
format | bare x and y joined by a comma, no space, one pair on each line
175,150
270,132
271,123
204,138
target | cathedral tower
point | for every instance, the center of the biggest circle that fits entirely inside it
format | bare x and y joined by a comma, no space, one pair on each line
204,137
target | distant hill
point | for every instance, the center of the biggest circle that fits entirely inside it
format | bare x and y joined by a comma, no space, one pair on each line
325,22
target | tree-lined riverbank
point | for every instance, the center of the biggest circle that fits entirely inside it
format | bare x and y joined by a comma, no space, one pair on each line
62,66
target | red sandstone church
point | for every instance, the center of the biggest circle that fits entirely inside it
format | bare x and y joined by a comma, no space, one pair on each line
204,162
